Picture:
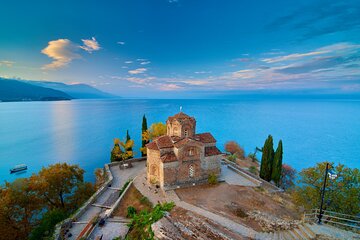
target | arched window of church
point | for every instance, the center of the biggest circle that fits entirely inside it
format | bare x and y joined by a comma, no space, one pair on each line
191,171
191,152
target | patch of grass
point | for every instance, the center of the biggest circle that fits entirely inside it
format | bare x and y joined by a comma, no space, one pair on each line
124,186
132,198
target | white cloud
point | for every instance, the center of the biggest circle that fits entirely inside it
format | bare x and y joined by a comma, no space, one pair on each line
169,87
137,71
90,45
202,72
145,63
6,63
294,56
62,51
128,62
121,43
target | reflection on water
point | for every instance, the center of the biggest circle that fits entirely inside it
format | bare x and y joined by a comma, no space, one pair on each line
81,131
63,138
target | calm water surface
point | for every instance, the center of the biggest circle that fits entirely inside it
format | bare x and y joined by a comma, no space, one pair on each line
82,131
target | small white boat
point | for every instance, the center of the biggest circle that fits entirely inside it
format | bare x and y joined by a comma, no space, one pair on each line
18,168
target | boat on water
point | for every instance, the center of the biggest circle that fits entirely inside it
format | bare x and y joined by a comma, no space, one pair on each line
18,168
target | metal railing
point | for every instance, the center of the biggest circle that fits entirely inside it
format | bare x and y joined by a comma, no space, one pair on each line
341,220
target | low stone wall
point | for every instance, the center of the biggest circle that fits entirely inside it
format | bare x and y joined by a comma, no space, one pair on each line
248,177
263,182
81,210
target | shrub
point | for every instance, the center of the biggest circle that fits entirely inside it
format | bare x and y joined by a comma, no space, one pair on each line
131,211
232,158
234,148
240,213
212,179
253,170
140,225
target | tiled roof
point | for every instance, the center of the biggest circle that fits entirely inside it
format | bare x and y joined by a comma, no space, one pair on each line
182,142
152,146
164,142
205,138
180,116
168,157
211,151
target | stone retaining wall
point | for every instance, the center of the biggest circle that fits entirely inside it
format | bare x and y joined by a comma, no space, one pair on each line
263,182
91,200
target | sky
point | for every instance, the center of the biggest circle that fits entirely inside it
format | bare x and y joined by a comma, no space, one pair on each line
185,48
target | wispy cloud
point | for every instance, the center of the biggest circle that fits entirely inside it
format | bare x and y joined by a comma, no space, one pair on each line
90,45
321,18
6,63
145,63
128,62
138,71
62,51
121,43
293,56
326,66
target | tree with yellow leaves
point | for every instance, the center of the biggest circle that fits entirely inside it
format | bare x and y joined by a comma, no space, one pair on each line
20,207
122,150
155,130
56,183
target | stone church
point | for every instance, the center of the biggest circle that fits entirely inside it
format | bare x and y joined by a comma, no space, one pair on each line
182,157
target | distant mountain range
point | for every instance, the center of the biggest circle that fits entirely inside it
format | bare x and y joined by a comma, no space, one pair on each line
23,90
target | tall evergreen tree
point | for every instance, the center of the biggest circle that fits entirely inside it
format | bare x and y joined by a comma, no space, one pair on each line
277,164
128,138
267,159
144,128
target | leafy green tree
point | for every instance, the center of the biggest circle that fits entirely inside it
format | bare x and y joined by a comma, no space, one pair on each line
45,229
342,194
116,152
267,159
277,164
144,128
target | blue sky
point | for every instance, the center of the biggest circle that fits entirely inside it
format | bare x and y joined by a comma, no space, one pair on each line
164,48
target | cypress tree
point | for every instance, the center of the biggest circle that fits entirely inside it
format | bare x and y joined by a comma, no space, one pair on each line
277,164
128,139
267,159
143,129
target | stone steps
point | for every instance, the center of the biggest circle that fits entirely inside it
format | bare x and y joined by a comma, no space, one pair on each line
301,233
308,231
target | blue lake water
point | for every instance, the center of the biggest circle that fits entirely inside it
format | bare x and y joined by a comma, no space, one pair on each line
82,131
